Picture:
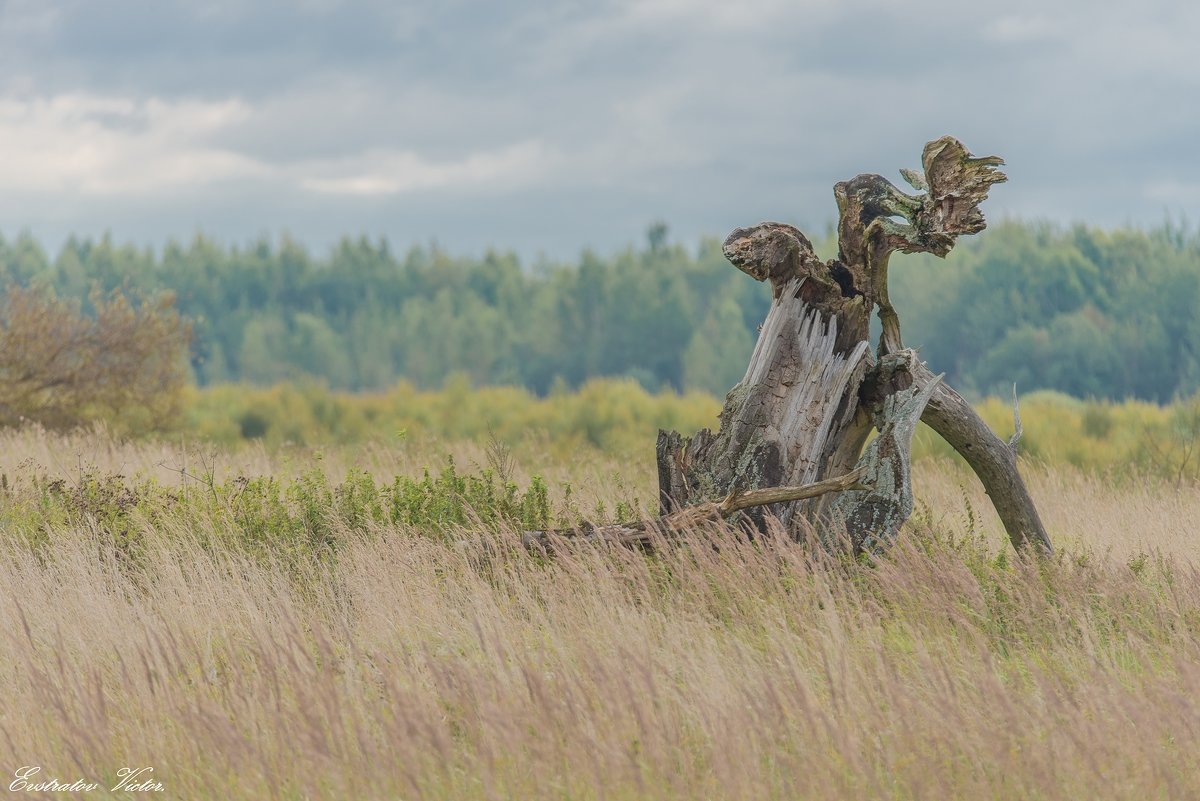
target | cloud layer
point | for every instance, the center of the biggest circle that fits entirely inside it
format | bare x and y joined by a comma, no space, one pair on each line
547,127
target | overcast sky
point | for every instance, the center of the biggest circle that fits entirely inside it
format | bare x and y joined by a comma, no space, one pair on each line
549,127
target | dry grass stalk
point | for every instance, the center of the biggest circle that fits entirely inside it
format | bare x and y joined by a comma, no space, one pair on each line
415,668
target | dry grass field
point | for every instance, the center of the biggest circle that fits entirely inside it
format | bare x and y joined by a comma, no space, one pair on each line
400,661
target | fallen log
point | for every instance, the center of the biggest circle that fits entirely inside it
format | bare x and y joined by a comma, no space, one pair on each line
641,533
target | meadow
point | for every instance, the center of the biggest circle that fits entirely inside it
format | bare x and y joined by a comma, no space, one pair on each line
357,619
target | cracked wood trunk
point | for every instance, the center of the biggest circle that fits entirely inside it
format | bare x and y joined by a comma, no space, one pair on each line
795,417
815,388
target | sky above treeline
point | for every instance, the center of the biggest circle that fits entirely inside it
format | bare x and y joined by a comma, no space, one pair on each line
548,127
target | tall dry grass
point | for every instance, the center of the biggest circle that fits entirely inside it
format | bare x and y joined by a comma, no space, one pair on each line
420,667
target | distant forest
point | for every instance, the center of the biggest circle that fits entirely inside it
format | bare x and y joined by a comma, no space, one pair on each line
1092,313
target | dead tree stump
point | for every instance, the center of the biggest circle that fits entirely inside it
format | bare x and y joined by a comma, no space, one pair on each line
814,388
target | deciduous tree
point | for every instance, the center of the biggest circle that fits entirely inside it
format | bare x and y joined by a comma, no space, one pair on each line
124,363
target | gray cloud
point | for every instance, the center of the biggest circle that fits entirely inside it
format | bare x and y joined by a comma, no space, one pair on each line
546,127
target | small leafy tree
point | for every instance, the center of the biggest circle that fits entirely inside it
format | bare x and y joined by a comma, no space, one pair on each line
59,367
1172,449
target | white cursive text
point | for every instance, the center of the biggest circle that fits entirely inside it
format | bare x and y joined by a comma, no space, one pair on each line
130,780
22,782
130,784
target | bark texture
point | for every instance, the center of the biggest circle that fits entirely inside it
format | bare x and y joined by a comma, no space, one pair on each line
871,517
814,388
786,422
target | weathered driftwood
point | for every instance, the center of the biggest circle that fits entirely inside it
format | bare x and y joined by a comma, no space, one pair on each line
814,389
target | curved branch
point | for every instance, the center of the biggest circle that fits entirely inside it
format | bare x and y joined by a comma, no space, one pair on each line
992,459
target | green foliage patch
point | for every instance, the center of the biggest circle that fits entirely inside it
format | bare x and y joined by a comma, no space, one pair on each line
1088,312
304,518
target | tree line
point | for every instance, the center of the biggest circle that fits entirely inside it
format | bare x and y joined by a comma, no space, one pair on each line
1092,313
